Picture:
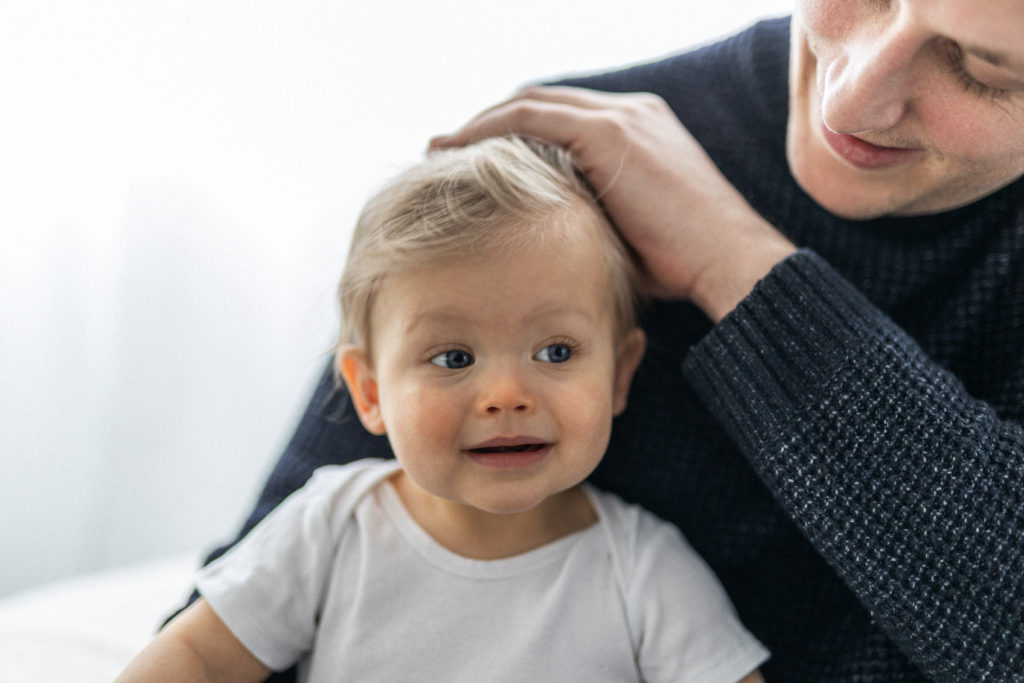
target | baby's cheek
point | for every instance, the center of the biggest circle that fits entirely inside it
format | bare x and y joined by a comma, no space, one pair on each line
437,426
427,420
592,410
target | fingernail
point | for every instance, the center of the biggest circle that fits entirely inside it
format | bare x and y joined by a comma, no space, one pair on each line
438,141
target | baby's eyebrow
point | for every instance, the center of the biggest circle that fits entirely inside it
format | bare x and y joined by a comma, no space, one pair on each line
433,317
447,316
555,311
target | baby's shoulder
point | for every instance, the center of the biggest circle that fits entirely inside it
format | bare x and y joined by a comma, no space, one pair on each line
336,490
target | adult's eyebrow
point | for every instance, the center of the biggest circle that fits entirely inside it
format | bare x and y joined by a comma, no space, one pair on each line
993,57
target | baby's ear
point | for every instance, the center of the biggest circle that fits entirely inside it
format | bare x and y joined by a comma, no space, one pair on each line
361,381
627,359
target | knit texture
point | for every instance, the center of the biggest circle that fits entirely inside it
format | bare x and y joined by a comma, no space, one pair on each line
846,448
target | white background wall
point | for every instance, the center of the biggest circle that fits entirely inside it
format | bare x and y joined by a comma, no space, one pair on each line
177,182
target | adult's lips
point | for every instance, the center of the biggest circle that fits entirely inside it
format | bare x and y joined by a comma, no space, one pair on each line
866,155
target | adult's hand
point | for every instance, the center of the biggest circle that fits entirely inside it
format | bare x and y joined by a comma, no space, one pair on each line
698,238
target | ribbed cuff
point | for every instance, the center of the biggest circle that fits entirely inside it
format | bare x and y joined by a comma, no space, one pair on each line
762,363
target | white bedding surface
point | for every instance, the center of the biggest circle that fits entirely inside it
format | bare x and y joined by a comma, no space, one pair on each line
87,628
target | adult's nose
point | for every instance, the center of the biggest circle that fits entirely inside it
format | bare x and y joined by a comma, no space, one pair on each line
870,85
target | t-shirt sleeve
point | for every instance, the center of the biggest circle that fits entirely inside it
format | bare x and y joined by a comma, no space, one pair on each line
686,626
269,587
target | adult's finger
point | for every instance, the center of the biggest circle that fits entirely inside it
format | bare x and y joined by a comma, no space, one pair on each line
583,98
552,121
517,115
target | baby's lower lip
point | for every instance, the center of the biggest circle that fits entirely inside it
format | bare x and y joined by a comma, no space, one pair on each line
865,155
510,458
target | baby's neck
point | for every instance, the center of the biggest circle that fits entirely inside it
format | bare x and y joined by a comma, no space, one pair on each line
481,535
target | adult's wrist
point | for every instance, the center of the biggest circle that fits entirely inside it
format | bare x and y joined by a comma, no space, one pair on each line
743,263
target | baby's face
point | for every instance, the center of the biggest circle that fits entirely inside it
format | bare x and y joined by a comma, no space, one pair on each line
497,377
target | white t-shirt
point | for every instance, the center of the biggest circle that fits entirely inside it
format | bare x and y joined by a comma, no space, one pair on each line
342,580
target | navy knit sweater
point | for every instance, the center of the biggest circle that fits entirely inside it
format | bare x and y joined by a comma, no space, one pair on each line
846,448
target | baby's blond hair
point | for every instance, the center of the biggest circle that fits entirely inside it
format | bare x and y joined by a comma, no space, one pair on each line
492,195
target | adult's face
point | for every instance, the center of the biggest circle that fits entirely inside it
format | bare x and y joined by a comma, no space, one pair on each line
905,106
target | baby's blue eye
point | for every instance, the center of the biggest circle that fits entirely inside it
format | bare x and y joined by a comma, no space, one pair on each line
456,359
555,353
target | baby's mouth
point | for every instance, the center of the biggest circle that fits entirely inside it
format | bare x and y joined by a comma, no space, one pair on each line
520,448
510,453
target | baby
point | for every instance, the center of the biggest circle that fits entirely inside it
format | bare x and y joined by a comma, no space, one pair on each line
489,331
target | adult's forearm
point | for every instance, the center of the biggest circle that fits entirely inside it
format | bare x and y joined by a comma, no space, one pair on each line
912,489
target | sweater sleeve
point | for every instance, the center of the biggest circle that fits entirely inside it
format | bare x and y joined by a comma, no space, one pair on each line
910,488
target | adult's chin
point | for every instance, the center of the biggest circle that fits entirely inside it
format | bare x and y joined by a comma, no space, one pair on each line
836,189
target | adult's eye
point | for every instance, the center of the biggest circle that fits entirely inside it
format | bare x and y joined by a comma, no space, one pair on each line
554,353
455,359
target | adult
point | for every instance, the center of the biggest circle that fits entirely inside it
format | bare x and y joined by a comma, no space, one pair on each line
831,212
